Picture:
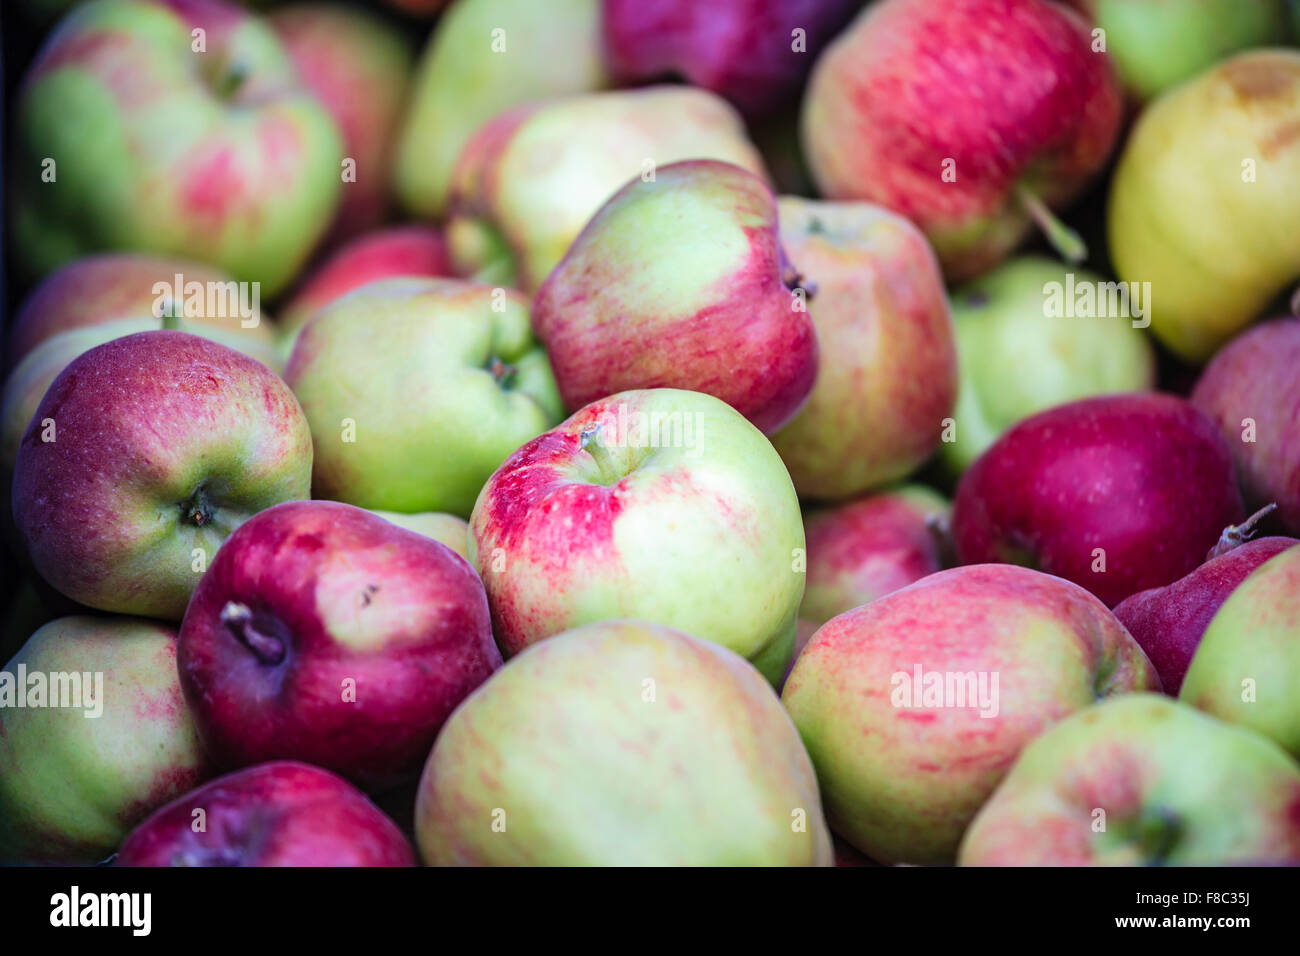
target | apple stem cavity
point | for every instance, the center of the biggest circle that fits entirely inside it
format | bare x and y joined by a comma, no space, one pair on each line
592,442
1064,240
196,509
1235,535
503,373
238,618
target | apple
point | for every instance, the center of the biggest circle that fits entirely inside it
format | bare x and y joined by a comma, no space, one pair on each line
681,282
144,454
1232,132
275,814
1247,667
108,740
692,762
913,707
108,289
756,53
1157,44
358,65
383,254
1117,493
887,369
417,389
1142,780
1169,622
528,180
663,505
327,634
214,154
1251,392
888,802
484,57
451,530
1066,332
863,550
973,118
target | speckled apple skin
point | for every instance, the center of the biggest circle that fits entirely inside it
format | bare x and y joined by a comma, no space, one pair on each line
625,744
1254,377
1146,478
275,814
680,282
356,599
1010,90
1168,622
901,784
140,423
1232,796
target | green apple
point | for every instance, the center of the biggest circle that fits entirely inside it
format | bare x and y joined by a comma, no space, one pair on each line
621,744
486,56
887,362
1142,780
663,505
1230,136
1157,44
1057,329
417,389
175,130
530,179
451,530
110,742
1246,669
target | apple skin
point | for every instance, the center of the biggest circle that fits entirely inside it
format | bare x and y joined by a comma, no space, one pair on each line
311,595
247,181
865,549
682,283
887,368
1213,265
275,814
164,443
72,786
699,538
1254,377
1169,622
1254,636
1178,788
695,764
913,83
743,50
451,530
1144,477
531,178
908,796
551,50
383,254
1157,44
1002,323
358,65
410,361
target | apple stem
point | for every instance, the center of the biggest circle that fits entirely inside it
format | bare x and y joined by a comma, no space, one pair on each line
502,372
171,321
196,510
1064,240
1295,302
239,619
1235,535
593,444
940,528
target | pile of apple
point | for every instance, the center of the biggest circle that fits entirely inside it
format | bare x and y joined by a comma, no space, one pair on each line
598,496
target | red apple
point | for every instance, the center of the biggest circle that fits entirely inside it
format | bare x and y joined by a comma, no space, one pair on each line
755,53
1118,493
275,814
1252,392
970,117
326,634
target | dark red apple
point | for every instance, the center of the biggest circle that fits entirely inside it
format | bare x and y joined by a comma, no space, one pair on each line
1169,622
755,53
1118,494
275,814
324,633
